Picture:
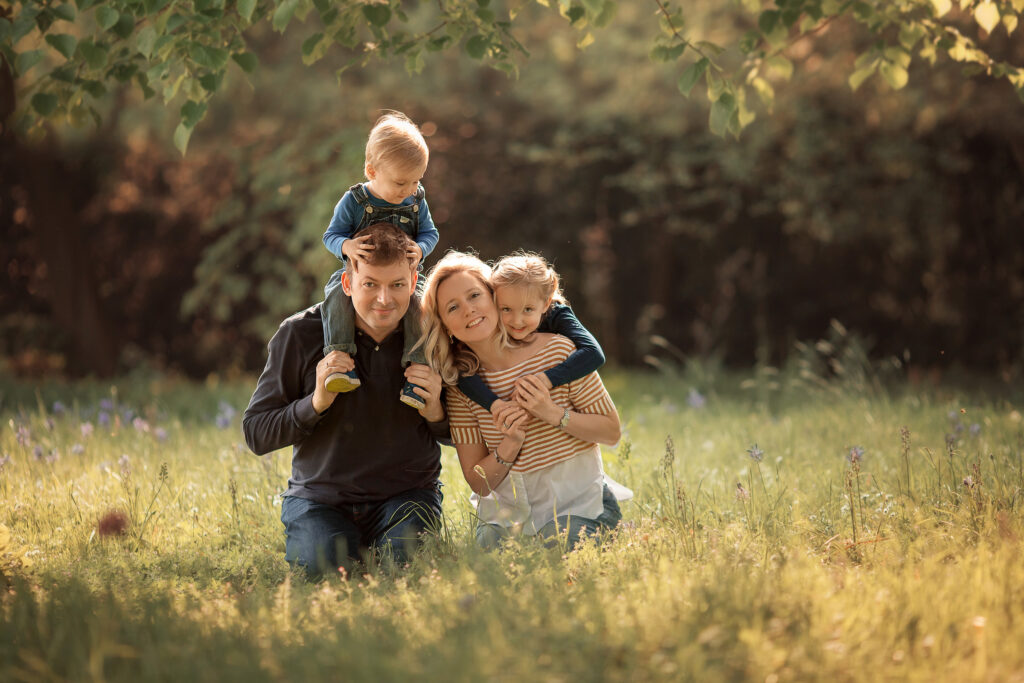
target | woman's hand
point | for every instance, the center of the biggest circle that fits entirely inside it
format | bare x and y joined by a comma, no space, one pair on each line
511,419
535,398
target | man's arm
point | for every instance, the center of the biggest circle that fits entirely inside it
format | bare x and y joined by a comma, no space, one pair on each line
281,412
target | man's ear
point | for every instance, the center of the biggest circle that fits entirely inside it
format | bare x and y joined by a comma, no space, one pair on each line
346,283
415,278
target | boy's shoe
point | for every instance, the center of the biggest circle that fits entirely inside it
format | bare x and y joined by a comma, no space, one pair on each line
340,382
410,397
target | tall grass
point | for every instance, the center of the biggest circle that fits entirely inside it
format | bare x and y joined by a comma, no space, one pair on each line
873,532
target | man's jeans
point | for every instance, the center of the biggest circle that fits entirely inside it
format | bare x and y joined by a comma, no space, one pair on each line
489,536
321,538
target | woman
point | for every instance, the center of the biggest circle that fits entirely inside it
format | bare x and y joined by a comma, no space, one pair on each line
535,466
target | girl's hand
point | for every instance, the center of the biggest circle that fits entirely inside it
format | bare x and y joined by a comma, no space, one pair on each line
357,248
415,254
541,377
535,398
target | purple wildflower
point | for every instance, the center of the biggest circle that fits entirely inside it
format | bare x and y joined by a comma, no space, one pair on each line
969,482
53,457
106,405
225,408
855,455
58,408
695,399
140,425
77,449
104,466
223,421
975,429
87,429
103,418
160,433
755,453
24,436
37,452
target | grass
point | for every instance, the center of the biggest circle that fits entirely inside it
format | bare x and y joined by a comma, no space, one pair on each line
804,565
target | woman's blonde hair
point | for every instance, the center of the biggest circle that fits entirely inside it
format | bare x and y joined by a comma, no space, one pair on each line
448,356
395,141
530,270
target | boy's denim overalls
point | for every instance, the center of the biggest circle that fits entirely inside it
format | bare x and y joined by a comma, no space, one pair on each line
339,317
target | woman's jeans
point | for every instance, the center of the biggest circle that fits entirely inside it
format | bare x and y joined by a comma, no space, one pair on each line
321,538
489,536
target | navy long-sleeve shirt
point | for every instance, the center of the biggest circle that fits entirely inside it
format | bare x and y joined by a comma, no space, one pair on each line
367,446
587,357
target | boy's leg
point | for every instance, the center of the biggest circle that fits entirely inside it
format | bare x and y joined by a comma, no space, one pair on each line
339,332
412,353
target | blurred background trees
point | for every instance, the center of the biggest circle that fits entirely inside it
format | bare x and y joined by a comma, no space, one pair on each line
899,213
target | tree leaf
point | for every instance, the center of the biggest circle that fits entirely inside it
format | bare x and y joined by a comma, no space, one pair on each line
1010,23
477,46
665,53
894,74
377,14
246,60
106,17
765,91
145,41
283,14
691,75
309,44
192,113
780,67
213,58
721,111
65,12
941,7
44,103
246,8
63,43
858,77
181,136
987,16
26,60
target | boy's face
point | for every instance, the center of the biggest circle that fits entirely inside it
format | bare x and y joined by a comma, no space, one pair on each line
380,295
394,183
521,310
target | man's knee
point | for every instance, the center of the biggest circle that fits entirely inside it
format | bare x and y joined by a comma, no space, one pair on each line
316,537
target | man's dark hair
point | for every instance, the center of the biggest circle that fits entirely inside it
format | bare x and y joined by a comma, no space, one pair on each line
389,244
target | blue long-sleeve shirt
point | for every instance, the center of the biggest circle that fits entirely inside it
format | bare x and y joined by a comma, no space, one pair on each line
348,214
587,357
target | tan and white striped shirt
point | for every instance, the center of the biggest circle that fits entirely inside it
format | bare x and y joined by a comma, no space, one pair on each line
556,474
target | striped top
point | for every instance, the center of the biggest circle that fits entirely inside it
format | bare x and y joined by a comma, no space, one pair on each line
545,444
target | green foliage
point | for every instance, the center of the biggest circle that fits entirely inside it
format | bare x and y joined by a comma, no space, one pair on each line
176,50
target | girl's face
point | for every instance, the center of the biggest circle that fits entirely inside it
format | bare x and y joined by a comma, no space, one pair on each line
521,309
466,308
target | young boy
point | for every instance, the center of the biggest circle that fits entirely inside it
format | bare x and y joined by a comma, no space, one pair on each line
396,159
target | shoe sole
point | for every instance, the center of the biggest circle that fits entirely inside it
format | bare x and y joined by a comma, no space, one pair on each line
412,402
341,384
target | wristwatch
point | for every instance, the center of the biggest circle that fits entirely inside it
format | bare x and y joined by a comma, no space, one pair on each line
564,422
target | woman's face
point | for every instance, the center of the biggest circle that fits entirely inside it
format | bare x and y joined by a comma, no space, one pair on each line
466,308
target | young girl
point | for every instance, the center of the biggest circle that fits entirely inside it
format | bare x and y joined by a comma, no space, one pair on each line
396,159
530,300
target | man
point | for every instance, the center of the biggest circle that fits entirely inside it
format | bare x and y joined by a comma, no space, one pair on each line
364,466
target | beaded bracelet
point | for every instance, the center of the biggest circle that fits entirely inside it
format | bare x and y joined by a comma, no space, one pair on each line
497,457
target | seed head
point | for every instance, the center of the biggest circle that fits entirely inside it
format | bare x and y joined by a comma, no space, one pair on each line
855,455
113,523
755,453
741,492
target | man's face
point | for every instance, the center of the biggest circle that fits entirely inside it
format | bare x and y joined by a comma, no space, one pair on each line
380,295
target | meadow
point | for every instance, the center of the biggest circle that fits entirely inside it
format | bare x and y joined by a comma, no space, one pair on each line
786,525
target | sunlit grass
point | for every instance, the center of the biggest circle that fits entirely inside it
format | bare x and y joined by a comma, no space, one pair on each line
803,564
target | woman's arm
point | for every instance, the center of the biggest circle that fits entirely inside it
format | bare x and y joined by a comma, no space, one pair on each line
481,469
534,397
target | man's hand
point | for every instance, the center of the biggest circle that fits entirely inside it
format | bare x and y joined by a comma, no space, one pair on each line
415,254
357,248
428,387
534,397
335,361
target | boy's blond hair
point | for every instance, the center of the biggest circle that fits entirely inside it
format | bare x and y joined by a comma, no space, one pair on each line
395,141
530,270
